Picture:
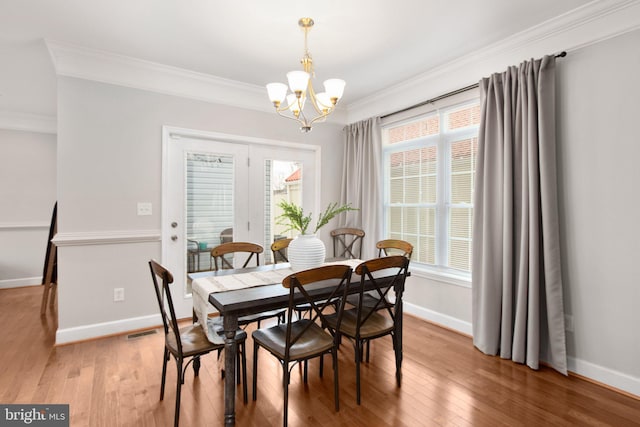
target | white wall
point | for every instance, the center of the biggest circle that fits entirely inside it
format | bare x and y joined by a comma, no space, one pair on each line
109,158
598,148
27,196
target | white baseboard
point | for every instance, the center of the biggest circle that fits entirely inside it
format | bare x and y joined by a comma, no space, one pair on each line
600,374
19,283
79,333
439,318
604,375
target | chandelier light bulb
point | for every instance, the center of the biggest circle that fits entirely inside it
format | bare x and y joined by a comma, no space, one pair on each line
277,93
295,104
298,81
334,88
324,101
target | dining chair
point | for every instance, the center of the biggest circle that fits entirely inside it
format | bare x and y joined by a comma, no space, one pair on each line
363,324
385,248
253,251
347,243
303,339
186,343
394,247
279,250
221,261
226,235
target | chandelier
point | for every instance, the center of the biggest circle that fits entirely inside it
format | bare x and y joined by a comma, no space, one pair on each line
302,91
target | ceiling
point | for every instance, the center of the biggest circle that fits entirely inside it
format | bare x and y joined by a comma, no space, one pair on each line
371,44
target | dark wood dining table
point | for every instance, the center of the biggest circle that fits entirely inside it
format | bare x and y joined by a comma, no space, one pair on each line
241,302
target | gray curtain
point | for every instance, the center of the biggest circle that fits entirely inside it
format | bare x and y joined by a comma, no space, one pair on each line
361,186
517,304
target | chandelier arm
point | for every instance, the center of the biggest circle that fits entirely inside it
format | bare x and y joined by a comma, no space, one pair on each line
314,100
291,118
321,118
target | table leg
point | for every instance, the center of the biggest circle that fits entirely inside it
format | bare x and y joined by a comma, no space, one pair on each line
230,323
398,349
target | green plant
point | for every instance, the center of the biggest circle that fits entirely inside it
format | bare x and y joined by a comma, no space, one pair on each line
293,216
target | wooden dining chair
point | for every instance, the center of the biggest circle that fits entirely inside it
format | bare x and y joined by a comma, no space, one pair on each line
394,247
220,252
385,248
363,324
187,343
347,243
279,250
253,251
303,339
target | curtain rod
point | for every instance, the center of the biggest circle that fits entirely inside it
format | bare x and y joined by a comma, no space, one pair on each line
448,94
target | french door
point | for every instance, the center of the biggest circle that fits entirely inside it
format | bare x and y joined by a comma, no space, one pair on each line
219,188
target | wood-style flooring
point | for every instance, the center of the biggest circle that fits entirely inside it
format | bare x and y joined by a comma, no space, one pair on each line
115,381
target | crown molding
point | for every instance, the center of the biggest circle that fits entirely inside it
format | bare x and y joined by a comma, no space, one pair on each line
39,123
594,22
106,67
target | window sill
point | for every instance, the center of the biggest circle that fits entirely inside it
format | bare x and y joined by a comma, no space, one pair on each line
448,277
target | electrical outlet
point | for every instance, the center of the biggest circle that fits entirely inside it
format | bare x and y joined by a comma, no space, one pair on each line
568,322
144,208
118,294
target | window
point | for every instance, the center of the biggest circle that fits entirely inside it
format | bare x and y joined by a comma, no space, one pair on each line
283,181
429,165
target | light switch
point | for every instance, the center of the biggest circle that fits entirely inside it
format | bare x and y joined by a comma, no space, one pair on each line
144,208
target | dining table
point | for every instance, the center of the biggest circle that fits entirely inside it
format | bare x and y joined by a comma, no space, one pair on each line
241,292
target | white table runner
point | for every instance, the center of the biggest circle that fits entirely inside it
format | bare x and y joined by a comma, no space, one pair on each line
202,287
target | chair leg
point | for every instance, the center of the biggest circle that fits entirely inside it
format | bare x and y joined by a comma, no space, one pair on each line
243,370
336,386
321,365
368,349
178,390
238,365
398,360
305,371
221,370
196,366
285,386
165,358
255,371
45,298
358,353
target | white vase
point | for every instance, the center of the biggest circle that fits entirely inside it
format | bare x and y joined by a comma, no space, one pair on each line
306,251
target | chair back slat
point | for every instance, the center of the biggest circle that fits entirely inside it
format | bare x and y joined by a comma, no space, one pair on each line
300,284
394,247
279,250
347,242
165,301
221,262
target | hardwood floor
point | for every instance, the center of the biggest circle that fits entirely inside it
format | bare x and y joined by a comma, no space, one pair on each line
115,381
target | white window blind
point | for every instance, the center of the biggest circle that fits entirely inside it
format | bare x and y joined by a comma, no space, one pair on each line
209,198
